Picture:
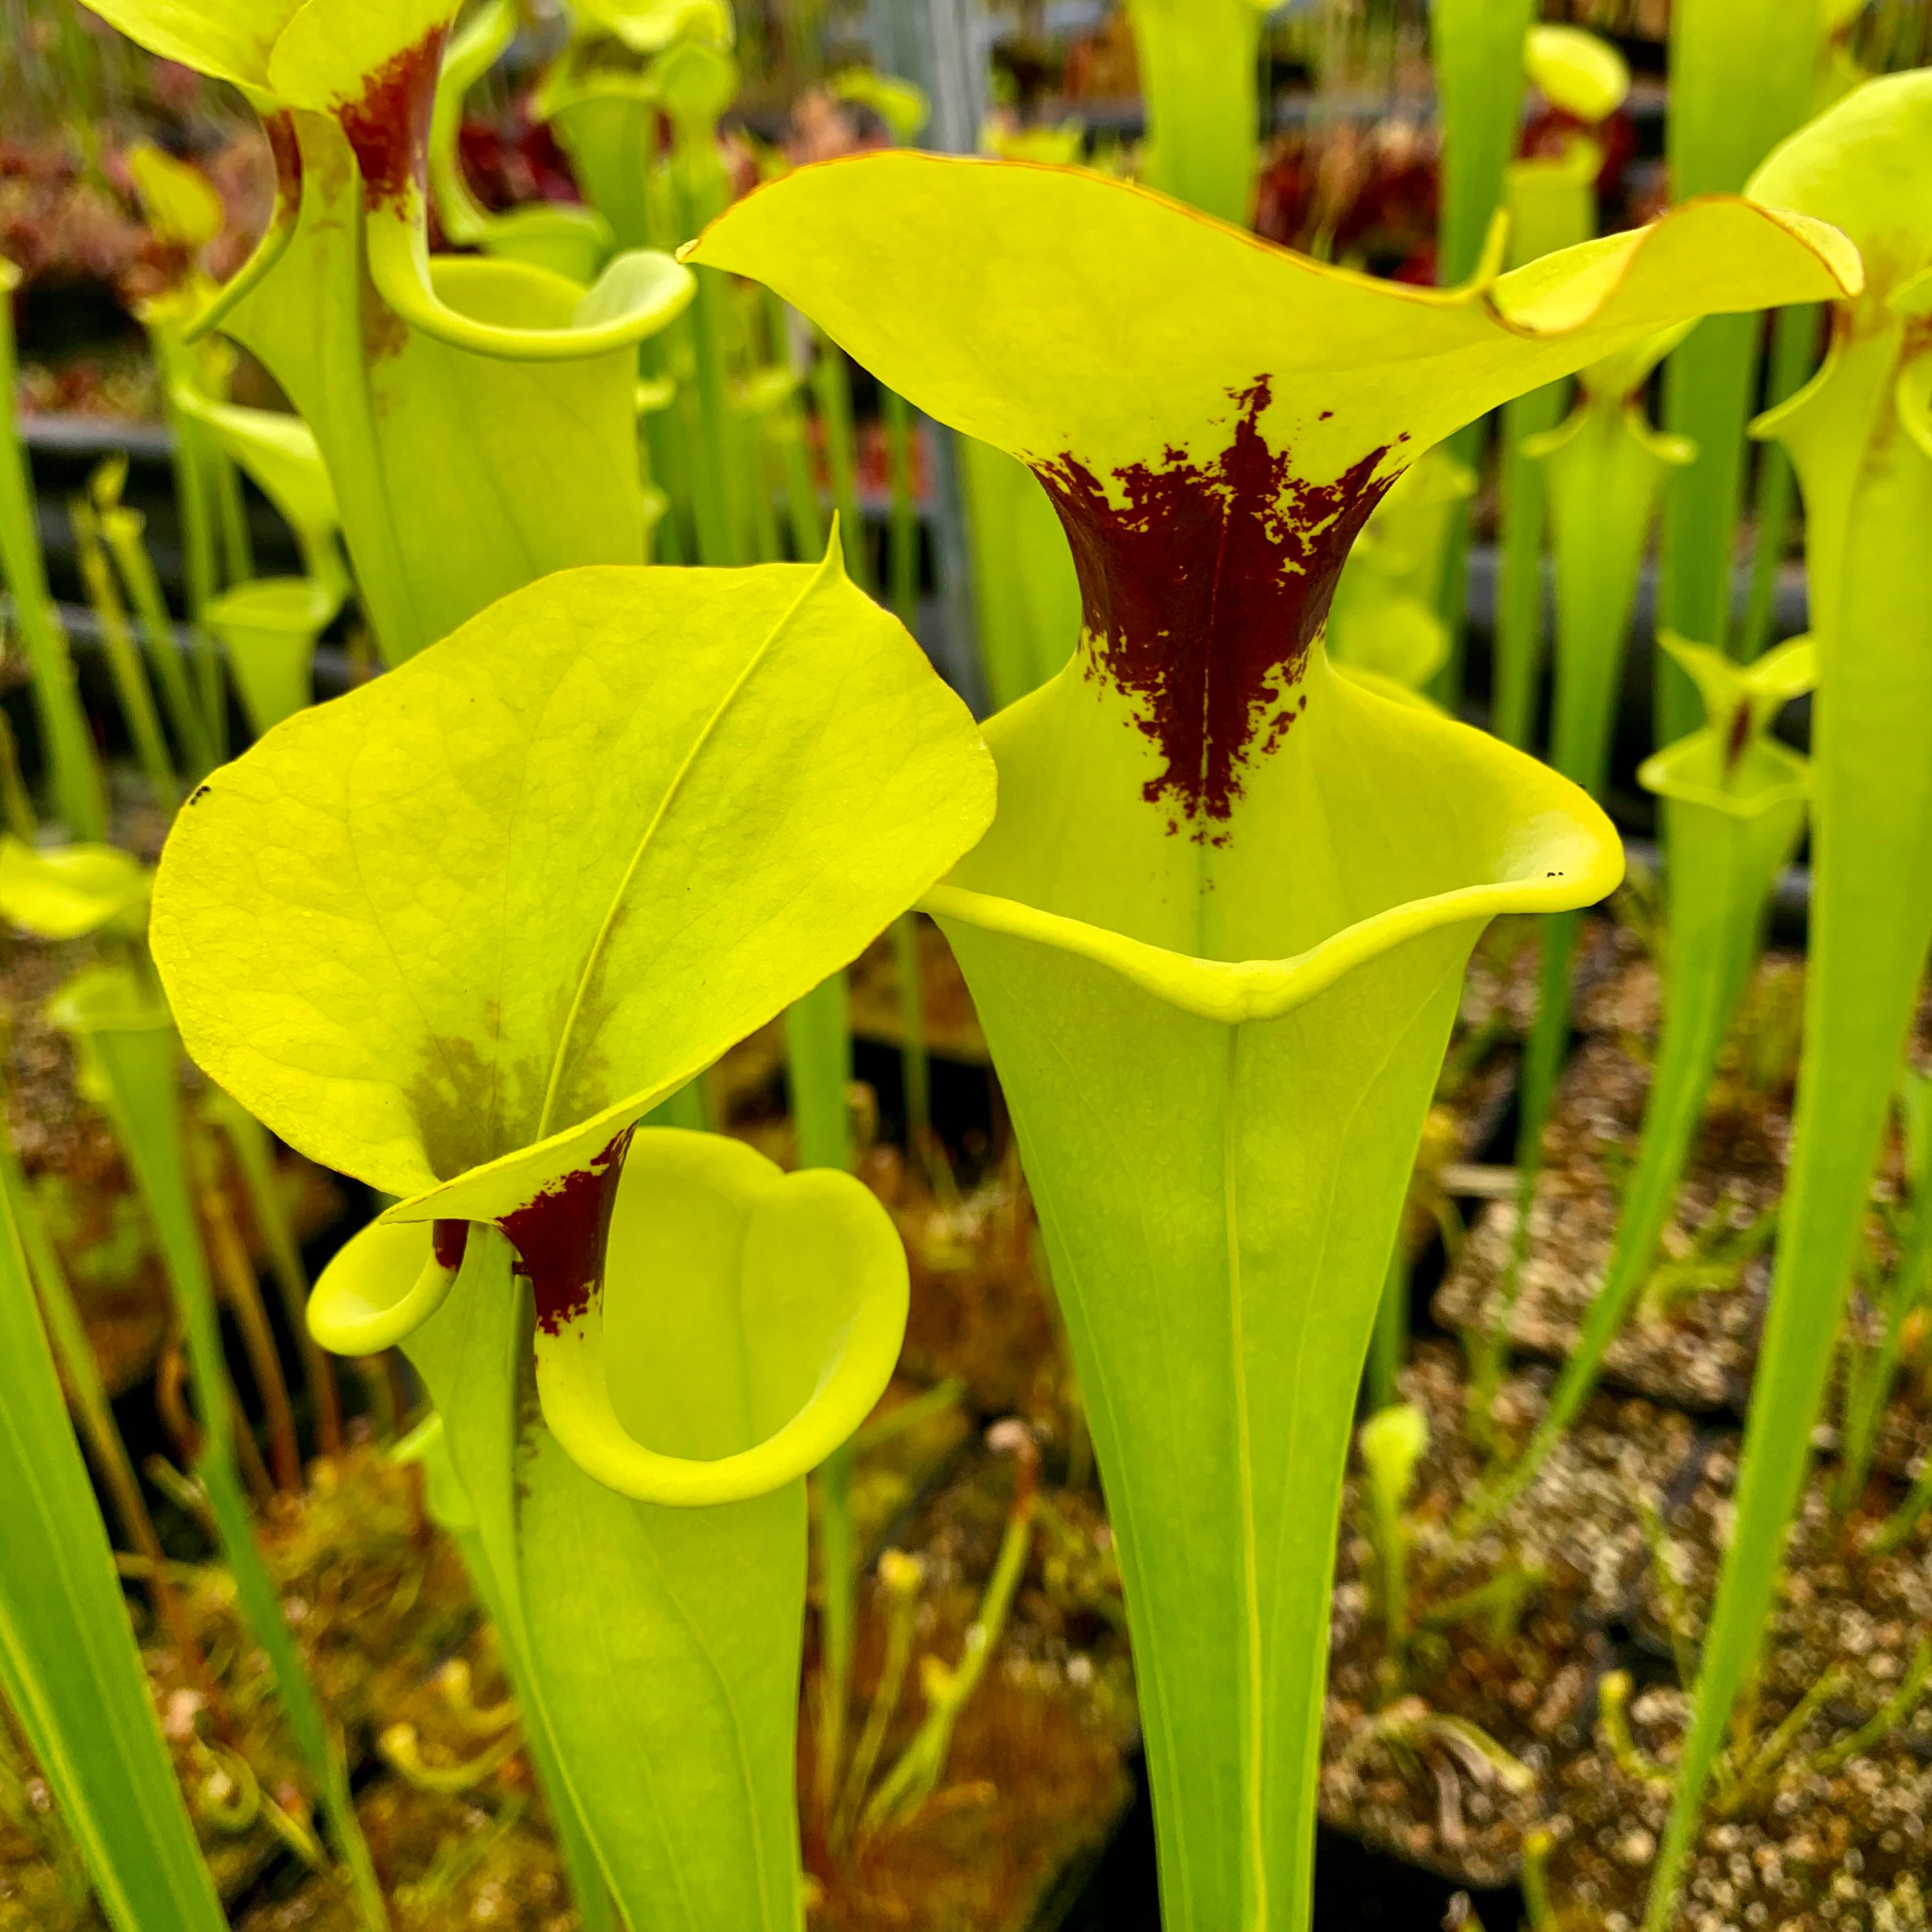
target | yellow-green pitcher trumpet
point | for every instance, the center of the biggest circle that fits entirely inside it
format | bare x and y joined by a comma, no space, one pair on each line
1217,931
1859,435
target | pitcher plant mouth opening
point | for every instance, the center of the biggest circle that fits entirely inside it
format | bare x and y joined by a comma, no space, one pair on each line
706,1327
1210,483
1733,765
743,1326
1522,840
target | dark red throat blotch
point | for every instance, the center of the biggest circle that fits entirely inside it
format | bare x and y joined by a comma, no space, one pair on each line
1737,737
448,1241
560,1236
1202,593
388,124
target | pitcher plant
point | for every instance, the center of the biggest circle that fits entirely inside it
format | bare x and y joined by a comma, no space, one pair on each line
456,934
476,415
1734,799
1217,931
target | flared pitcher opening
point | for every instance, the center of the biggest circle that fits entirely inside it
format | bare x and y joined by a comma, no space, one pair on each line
1365,823
746,1322
1215,419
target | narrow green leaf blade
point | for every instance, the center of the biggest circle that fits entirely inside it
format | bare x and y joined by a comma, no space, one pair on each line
1857,437
1477,48
67,1661
1200,66
1720,127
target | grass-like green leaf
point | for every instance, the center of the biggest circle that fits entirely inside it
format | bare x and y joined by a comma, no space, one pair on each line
73,774
1200,69
68,1666
1859,438
1742,76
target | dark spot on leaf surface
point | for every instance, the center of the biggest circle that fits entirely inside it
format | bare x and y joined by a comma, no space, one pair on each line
388,124
384,333
560,1238
1203,592
471,1104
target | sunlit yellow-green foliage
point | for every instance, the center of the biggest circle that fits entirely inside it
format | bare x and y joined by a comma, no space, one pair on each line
1214,875
536,881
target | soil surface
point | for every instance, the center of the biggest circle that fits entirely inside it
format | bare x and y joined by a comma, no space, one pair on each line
1821,1824
1693,1340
